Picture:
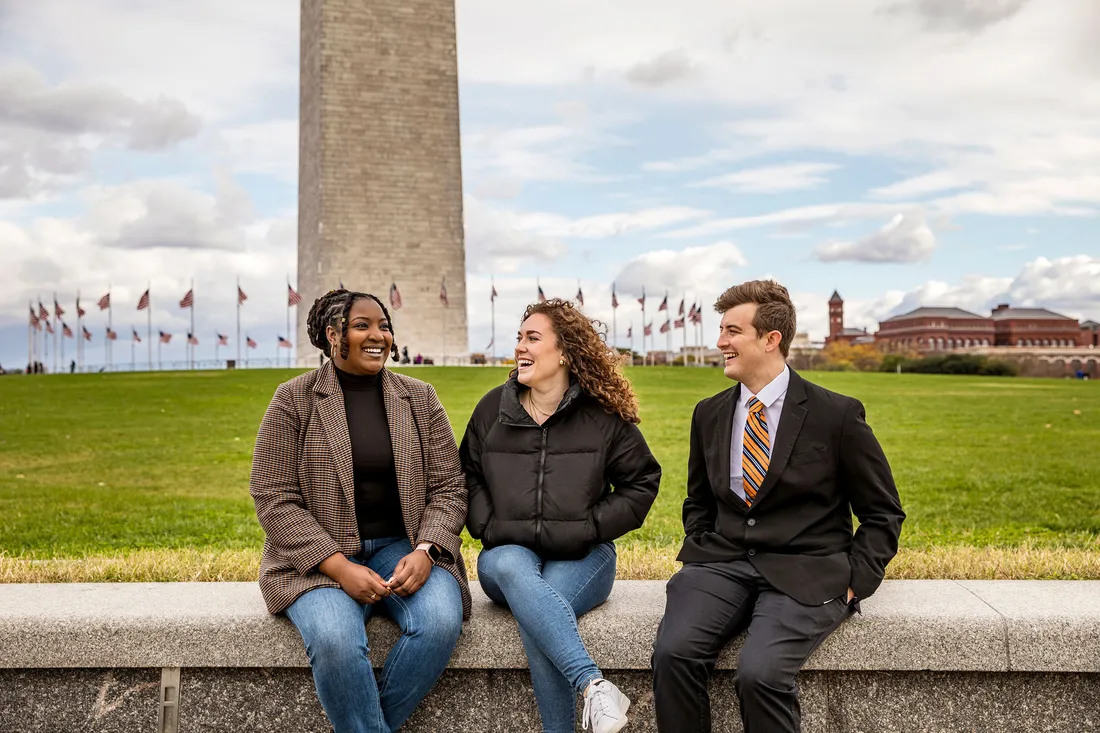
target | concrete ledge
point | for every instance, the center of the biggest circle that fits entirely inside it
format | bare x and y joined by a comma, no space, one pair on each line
941,625
924,655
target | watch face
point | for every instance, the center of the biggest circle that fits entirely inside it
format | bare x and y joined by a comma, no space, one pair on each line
434,553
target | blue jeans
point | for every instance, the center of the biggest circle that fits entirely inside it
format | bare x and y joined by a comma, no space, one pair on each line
546,597
333,627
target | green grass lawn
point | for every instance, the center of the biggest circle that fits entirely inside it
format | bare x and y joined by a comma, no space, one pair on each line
113,463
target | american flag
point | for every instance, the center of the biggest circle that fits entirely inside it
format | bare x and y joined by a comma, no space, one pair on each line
223,340
58,311
493,295
691,313
395,297
614,298
641,300
648,330
104,302
66,331
192,339
241,297
79,311
681,307
443,293
698,317
580,295
188,301
143,301
250,342
664,305
542,295
34,319
87,333
111,335
292,298
284,343
678,323
42,312
137,339
665,327
164,337
49,327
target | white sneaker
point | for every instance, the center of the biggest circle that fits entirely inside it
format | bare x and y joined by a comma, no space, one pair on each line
605,707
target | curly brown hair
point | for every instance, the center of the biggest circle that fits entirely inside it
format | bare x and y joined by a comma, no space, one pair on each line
588,356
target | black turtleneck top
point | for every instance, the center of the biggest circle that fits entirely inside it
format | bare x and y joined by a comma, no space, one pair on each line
377,503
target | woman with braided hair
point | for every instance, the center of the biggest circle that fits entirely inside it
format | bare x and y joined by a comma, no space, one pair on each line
557,470
361,495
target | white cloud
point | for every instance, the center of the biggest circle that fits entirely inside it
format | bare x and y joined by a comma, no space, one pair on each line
668,67
798,218
704,270
603,226
497,241
903,239
772,179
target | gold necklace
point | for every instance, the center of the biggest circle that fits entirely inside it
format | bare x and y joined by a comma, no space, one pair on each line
533,406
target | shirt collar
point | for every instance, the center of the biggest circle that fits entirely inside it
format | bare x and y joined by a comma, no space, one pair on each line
773,391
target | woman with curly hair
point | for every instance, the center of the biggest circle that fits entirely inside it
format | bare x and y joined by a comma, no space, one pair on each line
556,470
360,493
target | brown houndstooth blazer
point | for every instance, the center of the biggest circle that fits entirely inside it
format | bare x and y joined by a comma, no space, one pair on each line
302,480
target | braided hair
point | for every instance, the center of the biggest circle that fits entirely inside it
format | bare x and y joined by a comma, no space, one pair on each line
332,309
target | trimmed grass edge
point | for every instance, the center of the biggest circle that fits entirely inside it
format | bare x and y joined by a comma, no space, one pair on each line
634,563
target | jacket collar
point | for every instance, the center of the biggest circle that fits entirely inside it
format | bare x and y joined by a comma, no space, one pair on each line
512,412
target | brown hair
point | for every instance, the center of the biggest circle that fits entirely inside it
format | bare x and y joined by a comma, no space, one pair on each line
774,309
589,357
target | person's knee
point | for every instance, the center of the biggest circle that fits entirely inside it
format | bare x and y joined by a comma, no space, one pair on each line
331,647
757,674
504,565
673,651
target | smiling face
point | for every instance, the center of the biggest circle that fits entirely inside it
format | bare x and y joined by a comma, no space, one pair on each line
538,356
748,354
369,339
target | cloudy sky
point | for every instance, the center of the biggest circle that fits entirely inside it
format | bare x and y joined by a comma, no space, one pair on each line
904,152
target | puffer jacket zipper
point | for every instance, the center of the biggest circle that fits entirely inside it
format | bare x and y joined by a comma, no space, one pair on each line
538,492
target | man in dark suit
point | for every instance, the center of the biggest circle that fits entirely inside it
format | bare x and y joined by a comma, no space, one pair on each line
777,466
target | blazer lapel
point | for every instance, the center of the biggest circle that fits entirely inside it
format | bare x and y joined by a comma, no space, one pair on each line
408,456
334,420
790,423
724,445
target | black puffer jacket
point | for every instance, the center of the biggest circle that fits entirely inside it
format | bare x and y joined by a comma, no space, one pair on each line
549,487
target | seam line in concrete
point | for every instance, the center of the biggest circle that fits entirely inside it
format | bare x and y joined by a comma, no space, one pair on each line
1004,622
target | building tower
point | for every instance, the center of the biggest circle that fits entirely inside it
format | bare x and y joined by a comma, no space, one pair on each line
836,316
380,179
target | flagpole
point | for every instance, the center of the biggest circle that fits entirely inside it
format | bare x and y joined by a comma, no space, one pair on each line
217,343
133,348
159,342
30,340
614,321
149,329
287,323
55,322
493,310
79,334
190,345
238,294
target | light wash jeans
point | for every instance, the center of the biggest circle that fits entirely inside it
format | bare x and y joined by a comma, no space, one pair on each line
333,627
546,597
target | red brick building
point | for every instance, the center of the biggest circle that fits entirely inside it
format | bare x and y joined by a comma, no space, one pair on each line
1035,327
837,332
935,329
1090,334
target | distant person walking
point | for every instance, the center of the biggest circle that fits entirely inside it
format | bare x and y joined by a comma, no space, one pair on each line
359,489
557,470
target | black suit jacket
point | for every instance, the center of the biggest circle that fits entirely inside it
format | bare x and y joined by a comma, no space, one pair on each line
825,464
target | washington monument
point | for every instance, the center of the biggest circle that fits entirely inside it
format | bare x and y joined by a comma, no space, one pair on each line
379,166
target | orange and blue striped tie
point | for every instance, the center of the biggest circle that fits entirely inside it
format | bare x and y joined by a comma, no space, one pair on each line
756,450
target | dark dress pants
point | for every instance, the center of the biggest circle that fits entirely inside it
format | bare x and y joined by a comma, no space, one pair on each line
706,604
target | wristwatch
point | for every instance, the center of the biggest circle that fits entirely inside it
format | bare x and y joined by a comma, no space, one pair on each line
431,551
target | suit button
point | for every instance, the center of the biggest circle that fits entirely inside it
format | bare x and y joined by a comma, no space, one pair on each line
752,552
752,522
